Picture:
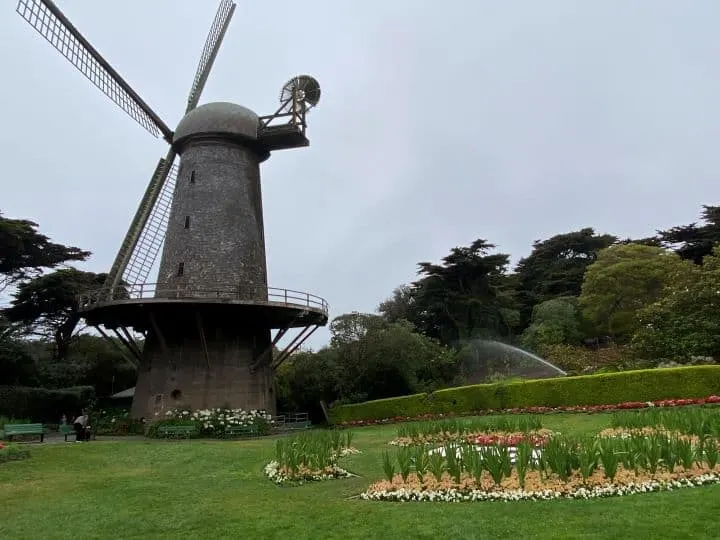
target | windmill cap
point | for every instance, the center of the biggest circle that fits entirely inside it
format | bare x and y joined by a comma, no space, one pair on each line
220,118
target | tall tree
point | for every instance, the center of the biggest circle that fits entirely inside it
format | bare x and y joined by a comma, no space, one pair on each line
554,322
17,365
624,279
400,306
378,361
685,321
694,242
351,327
397,361
47,305
25,252
556,266
91,360
466,296
349,333
306,378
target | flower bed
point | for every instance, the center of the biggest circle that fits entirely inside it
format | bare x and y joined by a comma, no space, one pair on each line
535,440
512,451
691,425
215,423
628,405
629,433
698,422
656,452
453,430
404,493
282,475
115,422
310,457
12,452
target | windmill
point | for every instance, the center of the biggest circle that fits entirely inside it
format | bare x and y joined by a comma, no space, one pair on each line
207,321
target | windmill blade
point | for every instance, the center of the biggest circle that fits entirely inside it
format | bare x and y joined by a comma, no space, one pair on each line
212,45
152,236
45,17
149,223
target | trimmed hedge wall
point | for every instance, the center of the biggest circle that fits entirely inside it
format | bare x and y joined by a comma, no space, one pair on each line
601,389
42,404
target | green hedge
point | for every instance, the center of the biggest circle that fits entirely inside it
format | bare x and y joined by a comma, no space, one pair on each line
601,389
42,404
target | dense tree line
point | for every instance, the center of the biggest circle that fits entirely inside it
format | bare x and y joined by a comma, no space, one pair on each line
584,300
40,340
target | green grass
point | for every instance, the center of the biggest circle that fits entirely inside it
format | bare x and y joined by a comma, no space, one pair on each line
216,489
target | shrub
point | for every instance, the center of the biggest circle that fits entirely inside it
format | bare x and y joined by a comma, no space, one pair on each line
577,359
41,404
12,452
606,388
115,421
218,423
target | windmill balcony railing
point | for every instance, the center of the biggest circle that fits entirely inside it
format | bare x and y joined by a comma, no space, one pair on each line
296,117
141,291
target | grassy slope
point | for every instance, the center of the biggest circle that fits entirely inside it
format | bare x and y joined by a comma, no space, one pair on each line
217,490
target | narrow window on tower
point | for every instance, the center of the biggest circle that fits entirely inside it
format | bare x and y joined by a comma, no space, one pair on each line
181,269
187,222
192,177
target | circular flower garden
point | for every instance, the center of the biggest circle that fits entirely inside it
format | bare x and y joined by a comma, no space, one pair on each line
310,456
643,451
515,458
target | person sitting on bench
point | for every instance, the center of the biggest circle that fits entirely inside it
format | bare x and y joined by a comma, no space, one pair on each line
81,427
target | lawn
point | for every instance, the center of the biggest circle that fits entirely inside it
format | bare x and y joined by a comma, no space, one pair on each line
216,489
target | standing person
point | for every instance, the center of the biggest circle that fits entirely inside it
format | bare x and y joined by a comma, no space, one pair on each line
80,425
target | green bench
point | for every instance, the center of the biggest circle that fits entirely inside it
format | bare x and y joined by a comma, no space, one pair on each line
11,430
66,430
239,431
177,431
292,421
298,425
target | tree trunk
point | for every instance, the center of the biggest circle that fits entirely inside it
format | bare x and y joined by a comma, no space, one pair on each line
63,335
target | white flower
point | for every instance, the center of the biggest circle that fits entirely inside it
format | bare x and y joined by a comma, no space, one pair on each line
608,490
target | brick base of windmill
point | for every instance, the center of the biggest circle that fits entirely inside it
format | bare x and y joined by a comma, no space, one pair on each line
205,349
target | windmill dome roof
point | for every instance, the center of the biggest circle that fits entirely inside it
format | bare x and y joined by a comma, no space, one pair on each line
220,118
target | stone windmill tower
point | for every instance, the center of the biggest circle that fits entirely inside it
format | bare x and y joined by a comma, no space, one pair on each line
207,321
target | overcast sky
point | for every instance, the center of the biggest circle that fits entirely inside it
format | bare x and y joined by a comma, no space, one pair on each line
440,122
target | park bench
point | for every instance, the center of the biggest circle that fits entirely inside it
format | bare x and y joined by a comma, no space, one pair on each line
66,430
292,421
177,431
240,431
11,430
